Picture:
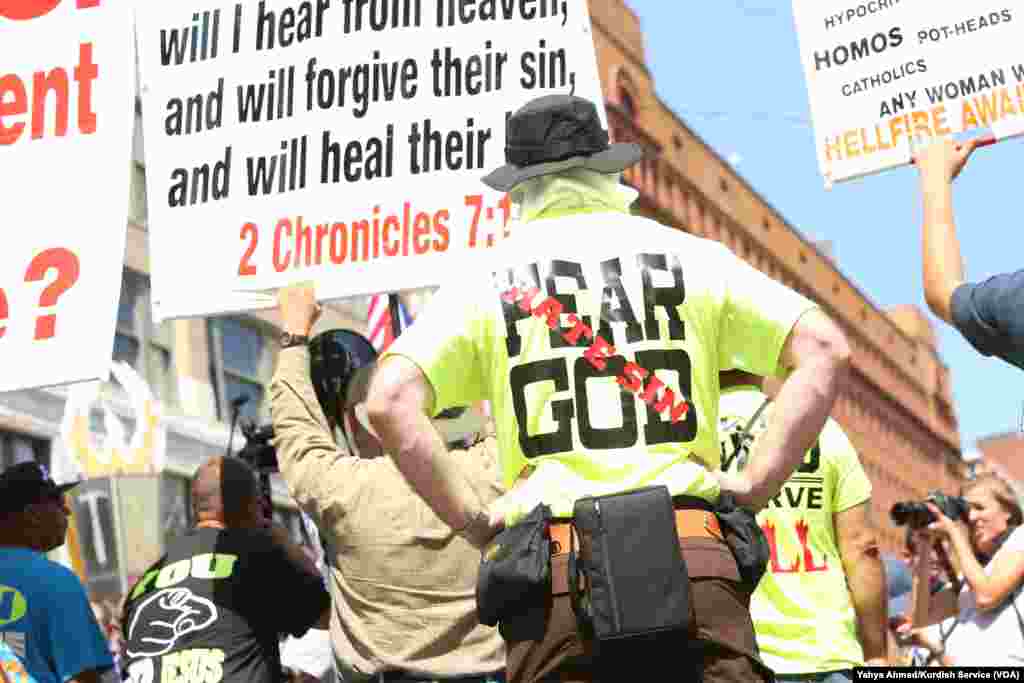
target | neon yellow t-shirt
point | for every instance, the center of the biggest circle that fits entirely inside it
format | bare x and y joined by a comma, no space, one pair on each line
678,306
802,611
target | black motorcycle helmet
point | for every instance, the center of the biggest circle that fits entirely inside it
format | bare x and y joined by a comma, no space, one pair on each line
334,357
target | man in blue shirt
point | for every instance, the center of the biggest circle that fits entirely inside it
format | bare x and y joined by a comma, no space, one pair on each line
989,314
45,616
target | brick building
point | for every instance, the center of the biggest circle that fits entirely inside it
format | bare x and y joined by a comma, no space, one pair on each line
1001,453
897,407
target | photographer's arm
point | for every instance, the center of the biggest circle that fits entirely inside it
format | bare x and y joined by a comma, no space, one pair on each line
927,608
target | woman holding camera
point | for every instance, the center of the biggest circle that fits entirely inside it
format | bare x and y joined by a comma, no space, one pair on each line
989,551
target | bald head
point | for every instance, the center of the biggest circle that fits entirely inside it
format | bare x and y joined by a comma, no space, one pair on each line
226,490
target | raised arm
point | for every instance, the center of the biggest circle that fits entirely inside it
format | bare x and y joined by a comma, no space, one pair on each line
316,471
939,163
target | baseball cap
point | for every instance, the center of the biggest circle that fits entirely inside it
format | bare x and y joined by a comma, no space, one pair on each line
334,356
27,483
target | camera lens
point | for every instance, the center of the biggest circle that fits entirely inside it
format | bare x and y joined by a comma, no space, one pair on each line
900,513
915,515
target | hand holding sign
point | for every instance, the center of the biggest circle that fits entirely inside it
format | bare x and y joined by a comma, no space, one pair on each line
299,308
944,159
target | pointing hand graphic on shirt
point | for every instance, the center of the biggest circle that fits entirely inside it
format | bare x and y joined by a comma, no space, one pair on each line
165,617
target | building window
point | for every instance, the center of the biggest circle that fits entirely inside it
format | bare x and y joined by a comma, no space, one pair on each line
17,448
141,344
242,361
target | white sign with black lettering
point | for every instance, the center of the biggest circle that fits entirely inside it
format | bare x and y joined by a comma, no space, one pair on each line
335,140
880,72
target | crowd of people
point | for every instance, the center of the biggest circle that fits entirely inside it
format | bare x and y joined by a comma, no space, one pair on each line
602,525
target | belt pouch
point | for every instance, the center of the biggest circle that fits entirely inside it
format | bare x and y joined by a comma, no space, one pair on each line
515,569
633,573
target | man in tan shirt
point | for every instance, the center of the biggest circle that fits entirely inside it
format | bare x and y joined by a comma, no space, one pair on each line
403,583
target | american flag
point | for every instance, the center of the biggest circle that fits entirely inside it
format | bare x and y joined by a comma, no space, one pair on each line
378,322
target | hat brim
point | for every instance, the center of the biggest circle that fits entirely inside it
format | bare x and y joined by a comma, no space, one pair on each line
615,159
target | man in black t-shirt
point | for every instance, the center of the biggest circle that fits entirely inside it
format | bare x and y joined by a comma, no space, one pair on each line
212,608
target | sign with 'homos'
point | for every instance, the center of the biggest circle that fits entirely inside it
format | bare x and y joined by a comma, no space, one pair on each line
880,72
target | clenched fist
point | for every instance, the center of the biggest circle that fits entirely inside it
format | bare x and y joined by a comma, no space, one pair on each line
299,309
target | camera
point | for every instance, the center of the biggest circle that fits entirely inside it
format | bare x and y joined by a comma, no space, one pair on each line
917,516
258,451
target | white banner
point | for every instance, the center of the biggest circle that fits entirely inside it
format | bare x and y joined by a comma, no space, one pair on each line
335,140
67,88
880,72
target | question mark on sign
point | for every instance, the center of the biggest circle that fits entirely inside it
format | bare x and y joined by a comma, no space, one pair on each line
3,312
66,264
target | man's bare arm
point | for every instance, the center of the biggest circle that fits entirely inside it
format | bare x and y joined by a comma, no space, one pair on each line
399,398
927,608
865,575
819,355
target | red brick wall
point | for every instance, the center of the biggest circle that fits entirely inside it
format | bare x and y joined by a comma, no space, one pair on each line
1006,452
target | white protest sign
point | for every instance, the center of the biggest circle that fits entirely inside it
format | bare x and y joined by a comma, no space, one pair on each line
67,84
340,141
880,72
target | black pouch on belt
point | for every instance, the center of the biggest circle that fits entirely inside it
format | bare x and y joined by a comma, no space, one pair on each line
746,540
629,559
515,569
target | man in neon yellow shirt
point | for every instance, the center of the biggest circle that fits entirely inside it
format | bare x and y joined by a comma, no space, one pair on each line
578,376
820,610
